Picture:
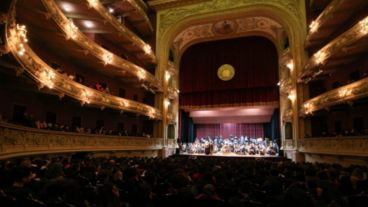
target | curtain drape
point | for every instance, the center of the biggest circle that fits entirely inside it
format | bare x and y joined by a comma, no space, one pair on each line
227,130
256,72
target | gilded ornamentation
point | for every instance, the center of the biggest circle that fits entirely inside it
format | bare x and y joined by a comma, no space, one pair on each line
94,49
22,140
354,146
343,94
124,30
171,16
336,46
216,30
46,76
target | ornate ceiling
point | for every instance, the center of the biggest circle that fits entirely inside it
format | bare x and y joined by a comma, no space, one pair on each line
229,28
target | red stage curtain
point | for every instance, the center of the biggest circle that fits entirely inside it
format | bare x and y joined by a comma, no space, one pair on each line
255,61
230,129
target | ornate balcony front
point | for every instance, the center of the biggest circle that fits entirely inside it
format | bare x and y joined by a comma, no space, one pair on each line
346,146
18,141
353,91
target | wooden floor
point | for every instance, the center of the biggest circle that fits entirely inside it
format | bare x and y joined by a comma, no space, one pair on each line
227,154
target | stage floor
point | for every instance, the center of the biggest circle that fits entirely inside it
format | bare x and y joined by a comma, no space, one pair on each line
227,154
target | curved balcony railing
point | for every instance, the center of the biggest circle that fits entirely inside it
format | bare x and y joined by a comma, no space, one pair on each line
335,47
46,76
73,33
141,8
353,91
353,146
145,48
18,141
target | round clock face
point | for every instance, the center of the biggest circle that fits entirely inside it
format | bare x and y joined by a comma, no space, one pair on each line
226,72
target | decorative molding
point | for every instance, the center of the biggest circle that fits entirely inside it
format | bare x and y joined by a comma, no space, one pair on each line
349,146
141,7
46,76
74,34
288,144
230,27
172,93
353,91
335,47
124,31
322,19
171,16
18,140
166,4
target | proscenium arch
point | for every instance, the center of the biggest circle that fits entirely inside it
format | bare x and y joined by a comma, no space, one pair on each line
294,26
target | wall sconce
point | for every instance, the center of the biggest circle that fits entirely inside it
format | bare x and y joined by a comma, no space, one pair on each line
166,103
107,57
290,65
71,30
313,27
320,57
167,76
47,78
292,96
364,26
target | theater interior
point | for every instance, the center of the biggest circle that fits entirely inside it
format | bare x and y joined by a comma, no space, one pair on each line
127,93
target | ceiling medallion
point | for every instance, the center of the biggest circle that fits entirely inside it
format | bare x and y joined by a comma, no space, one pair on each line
226,72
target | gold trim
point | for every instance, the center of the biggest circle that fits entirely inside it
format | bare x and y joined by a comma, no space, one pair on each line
121,28
323,18
46,76
135,4
19,140
337,45
353,91
96,50
353,146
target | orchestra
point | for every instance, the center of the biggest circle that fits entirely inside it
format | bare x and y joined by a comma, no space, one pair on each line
241,146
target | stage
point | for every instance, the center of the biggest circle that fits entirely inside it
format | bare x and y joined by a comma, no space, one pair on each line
228,154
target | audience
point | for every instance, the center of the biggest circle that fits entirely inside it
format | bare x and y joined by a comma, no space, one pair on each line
179,181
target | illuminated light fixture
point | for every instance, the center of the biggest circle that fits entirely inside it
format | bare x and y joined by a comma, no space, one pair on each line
93,3
124,104
47,78
344,92
111,10
279,83
166,102
290,65
107,58
141,74
313,27
364,26
151,113
71,30
67,7
147,49
89,24
292,96
320,57
86,94
167,75
19,37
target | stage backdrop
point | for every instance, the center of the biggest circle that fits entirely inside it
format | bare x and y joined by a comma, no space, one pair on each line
255,62
227,130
